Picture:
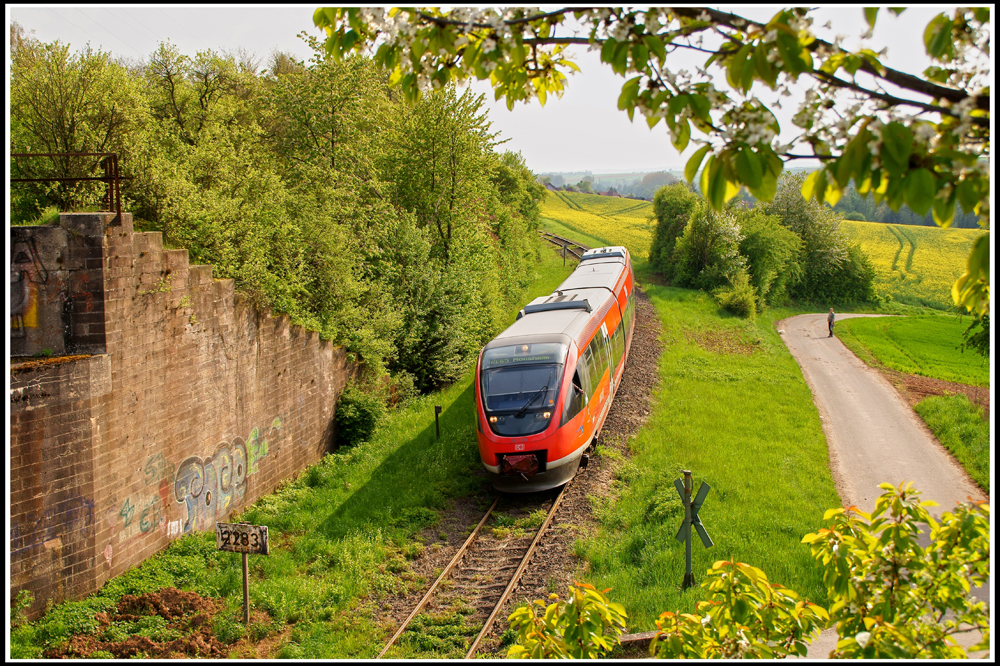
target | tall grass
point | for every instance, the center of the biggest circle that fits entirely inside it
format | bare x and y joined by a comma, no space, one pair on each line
918,345
742,419
962,428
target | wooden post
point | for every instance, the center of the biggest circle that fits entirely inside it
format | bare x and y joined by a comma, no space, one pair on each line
246,590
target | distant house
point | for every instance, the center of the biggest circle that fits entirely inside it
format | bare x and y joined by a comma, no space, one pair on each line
551,187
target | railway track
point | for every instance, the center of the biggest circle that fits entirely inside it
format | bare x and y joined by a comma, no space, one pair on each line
566,243
471,575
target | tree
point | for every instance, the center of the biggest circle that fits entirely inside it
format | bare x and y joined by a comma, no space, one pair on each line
63,102
672,206
923,146
772,254
708,254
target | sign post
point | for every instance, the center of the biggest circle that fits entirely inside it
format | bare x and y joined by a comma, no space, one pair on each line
691,519
246,539
437,424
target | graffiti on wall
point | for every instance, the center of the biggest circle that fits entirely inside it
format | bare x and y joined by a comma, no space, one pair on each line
36,529
26,270
210,487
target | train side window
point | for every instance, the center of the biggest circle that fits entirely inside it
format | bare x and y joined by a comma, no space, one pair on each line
576,398
618,344
598,348
629,318
587,372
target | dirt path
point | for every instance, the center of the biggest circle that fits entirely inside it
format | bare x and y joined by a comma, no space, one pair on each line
873,434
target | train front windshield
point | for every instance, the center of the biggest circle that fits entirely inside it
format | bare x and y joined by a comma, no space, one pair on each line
519,386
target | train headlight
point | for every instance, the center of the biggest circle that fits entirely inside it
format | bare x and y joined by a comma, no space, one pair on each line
493,419
524,348
547,415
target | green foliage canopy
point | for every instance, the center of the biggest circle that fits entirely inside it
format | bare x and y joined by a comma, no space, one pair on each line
921,146
398,230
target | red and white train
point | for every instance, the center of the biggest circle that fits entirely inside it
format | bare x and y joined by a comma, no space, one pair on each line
544,386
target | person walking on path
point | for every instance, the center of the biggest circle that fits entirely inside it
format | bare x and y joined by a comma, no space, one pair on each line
829,320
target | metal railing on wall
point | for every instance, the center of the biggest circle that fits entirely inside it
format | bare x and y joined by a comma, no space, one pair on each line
112,176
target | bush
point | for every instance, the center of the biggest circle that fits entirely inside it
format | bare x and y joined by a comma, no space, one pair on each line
585,626
772,255
739,297
358,414
853,280
672,206
707,255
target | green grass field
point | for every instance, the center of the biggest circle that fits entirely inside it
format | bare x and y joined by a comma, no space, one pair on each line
961,427
923,345
744,422
914,265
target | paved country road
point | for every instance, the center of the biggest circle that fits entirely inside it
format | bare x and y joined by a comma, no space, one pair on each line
874,436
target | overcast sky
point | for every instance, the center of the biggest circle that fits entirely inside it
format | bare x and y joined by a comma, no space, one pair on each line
584,130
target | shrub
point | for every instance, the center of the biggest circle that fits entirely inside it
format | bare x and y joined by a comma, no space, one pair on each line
772,255
585,626
672,206
358,414
852,280
739,297
708,252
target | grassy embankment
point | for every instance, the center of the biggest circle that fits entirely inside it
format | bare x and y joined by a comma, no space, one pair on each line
733,408
927,346
342,536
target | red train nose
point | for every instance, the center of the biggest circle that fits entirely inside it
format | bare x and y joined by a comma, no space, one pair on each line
517,465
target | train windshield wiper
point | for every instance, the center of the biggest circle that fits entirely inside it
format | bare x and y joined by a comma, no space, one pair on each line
531,400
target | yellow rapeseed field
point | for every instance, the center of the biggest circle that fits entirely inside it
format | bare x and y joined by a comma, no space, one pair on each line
610,220
914,265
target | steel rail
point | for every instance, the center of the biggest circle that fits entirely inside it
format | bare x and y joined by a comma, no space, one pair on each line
447,570
565,243
517,574
548,235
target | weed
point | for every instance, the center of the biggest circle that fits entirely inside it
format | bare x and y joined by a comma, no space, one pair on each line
21,603
185,302
508,637
609,452
100,654
72,618
502,519
533,520
161,286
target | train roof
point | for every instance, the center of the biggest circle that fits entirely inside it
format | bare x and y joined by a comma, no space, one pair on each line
566,314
